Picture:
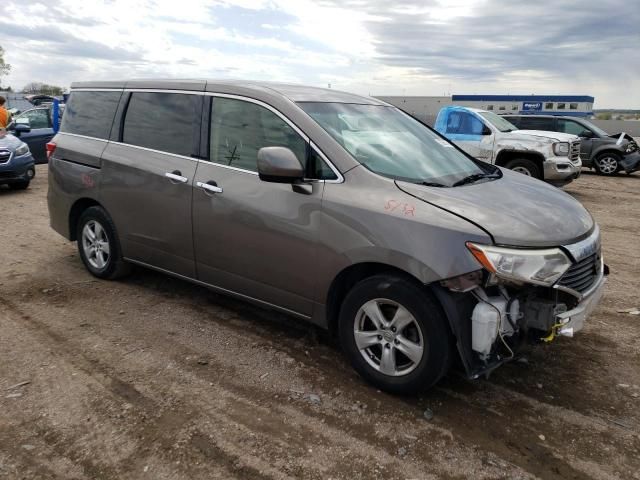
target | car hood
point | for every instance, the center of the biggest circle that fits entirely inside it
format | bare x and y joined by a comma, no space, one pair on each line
515,209
555,136
8,141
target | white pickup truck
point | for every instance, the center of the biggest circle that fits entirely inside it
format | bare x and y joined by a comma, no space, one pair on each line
550,156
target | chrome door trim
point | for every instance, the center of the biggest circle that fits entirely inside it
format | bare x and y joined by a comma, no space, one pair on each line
221,290
84,136
153,150
90,89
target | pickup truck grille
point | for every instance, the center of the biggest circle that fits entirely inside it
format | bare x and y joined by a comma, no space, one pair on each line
5,155
582,274
574,151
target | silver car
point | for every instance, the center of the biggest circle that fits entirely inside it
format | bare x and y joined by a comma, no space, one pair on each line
334,208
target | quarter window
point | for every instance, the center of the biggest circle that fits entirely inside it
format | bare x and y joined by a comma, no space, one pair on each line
162,121
90,113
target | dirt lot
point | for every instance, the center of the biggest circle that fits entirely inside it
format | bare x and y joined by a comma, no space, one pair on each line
152,377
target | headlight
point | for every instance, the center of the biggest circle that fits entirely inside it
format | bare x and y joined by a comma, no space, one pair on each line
561,148
631,147
540,267
22,150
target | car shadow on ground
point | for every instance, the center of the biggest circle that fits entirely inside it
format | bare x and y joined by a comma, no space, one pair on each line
6,191
535,365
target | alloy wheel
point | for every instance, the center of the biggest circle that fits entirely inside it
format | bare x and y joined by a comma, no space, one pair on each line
608,165
388,337
95,244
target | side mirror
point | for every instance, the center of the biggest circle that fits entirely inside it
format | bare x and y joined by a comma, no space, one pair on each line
486,130
278,165
21,128
586,134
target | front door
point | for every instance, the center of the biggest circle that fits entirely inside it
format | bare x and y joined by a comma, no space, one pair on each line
252,237
574,128
41,132
147,179
466,130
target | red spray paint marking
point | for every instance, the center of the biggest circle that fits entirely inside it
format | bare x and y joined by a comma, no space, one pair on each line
87,181
407,209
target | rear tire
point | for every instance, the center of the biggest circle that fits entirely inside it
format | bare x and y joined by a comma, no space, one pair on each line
395,334
607,163
525,166
99,246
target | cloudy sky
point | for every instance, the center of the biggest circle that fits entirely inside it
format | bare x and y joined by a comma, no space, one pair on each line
377,47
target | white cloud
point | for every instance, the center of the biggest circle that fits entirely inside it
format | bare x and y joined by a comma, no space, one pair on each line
427,47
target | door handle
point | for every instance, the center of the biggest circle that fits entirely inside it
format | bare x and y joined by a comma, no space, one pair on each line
176,176
209,187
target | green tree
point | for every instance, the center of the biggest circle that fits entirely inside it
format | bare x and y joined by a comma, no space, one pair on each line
5,68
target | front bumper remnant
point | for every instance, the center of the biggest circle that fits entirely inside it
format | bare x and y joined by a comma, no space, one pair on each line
573,320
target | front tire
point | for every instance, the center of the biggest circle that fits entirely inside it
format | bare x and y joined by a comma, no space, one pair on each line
395,334
607,163
99,246
525,166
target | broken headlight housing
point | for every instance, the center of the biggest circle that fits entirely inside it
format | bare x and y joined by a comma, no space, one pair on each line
539,267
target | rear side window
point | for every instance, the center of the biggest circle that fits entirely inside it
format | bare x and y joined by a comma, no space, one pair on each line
533,123
90,113
239,129
162,121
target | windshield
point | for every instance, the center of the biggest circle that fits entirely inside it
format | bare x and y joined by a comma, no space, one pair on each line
499,122
391,143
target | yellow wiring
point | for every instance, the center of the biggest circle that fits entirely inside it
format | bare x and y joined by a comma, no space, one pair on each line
551,337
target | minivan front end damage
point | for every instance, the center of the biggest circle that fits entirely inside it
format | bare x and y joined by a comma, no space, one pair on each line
521,295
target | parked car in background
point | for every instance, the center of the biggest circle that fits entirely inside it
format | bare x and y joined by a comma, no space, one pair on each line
334,208
607,154
37,129
17,167
552,157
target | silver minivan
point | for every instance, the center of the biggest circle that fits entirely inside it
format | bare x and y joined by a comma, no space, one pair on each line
334,208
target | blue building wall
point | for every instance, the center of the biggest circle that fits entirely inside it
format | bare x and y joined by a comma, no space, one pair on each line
574,105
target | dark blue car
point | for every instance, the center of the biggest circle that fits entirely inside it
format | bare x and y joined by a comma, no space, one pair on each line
36,130
17,167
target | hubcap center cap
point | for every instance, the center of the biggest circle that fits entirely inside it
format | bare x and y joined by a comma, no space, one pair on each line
388,336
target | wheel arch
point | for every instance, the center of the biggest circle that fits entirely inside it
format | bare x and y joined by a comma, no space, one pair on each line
606,149
76,210
344,281
505,156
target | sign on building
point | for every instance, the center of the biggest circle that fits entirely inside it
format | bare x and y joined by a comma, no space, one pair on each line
531,106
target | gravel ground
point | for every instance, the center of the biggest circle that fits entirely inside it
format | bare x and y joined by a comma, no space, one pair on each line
152,377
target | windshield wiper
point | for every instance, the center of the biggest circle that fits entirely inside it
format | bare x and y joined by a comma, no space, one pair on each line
475,177
432,184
